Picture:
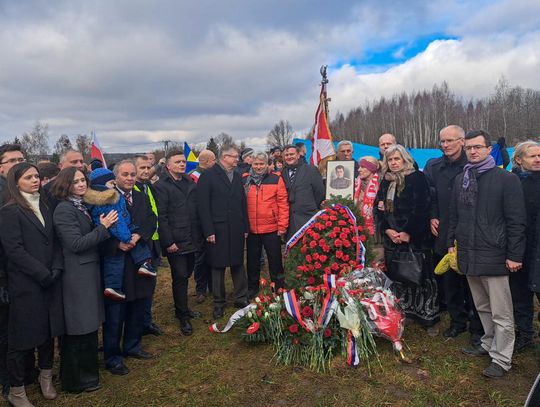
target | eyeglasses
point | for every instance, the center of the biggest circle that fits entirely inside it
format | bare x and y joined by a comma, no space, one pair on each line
14,161
450,141
235,156
477,147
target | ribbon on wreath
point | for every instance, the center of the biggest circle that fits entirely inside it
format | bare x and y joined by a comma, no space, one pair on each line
352,350
292,307
360,249
330,303
302,231
232,320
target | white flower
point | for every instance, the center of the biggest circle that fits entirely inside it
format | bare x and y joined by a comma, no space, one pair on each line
266,314
250,314
257,299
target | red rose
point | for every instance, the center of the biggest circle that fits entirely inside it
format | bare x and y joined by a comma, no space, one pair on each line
307,311
339,254
354,239
293,328
327,333
343,236
332,235
322,242
296,341
346,257
327,270
313,244
363,238
303,249
323,258
328,223
316,256
316,236
335,266
341,222
263,282
311,280
259,313
360,228
317,266
308,258
332,217
254,327
346,243
337,243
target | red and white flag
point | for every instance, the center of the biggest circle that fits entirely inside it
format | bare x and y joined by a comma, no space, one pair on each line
321,144
96,152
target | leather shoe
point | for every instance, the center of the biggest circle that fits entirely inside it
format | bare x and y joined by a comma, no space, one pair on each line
140,355
185,327
218,313
476,340
475,351
493,371
92,388
241,304
152,329
201,298
119,369
453,331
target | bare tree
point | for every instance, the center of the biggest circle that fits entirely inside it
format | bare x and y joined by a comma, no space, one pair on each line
223,139
83,143
62,145
281,134
36,143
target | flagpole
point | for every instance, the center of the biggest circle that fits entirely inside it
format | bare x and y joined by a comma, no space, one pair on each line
324,81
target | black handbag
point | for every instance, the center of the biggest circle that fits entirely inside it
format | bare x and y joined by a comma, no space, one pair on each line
405,266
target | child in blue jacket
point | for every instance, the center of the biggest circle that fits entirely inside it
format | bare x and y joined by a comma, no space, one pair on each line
102,197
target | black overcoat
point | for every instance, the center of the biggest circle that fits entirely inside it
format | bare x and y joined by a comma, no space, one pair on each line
136,286
491,231
223,213
177,213
531,260
35,313
305,193
81,281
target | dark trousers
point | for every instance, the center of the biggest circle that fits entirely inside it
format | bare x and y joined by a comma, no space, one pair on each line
181,269
459,303
79,362
202,272
147,319
122,318
272,246
239,279
523,302
4,317
17,361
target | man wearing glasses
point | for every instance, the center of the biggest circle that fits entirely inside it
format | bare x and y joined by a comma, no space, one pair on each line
441,173
10,155
223,215
487,219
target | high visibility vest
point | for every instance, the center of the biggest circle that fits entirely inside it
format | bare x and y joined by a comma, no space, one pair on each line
152,200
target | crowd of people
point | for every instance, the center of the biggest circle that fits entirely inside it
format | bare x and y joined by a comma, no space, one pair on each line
81,245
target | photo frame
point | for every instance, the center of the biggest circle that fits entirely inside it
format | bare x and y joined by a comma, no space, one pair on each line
340,179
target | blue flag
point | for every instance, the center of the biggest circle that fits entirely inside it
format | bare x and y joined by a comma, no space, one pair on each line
190,157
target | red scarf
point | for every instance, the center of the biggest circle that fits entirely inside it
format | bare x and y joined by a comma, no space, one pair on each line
366,207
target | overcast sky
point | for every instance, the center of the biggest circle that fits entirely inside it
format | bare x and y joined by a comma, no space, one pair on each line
142,71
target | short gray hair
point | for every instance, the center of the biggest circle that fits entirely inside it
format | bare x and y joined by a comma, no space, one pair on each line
226,148
120,163
345,143
65,153
260,155
454,127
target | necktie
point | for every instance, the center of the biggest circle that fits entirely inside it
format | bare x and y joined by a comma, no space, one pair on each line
129,198
292,174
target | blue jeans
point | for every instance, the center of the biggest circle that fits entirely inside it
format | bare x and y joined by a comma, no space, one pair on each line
113,266
126,317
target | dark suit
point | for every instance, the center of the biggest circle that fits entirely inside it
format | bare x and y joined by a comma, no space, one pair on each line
36,311
223,213
179,224
306,192
128,316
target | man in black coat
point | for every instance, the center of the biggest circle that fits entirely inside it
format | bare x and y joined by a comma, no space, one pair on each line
305,188
487,219
441,173
128,316
143,184
526,164
223,216
179,230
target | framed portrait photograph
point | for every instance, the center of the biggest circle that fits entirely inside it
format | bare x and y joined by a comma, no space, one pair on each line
340,179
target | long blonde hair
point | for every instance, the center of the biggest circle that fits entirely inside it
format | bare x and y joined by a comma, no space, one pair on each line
520,150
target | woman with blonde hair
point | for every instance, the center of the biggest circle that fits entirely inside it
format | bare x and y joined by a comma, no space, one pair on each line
402,212
366,187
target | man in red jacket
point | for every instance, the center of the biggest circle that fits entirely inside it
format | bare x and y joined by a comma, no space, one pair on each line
268,213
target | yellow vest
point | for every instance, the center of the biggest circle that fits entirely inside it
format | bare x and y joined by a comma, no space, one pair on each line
150,196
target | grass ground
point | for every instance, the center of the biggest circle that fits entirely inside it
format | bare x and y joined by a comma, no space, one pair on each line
220,370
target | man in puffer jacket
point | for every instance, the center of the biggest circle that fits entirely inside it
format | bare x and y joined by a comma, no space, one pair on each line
268,213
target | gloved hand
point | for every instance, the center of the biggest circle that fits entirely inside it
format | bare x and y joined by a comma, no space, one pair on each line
4,296
51,278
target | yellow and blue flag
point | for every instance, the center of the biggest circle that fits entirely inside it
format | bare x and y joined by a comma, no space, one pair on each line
192,161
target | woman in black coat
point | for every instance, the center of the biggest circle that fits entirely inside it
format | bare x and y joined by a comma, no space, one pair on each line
34,267
81,281
402,211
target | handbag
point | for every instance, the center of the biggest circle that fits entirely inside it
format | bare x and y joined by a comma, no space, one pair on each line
405,266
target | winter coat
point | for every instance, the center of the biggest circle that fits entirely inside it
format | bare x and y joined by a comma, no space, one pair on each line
81,281
135,286
223,213
35,312
102,202
411,211
491,231
305,193
531,261
441,173
177,213
267,205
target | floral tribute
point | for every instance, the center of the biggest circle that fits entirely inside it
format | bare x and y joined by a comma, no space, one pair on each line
333,305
